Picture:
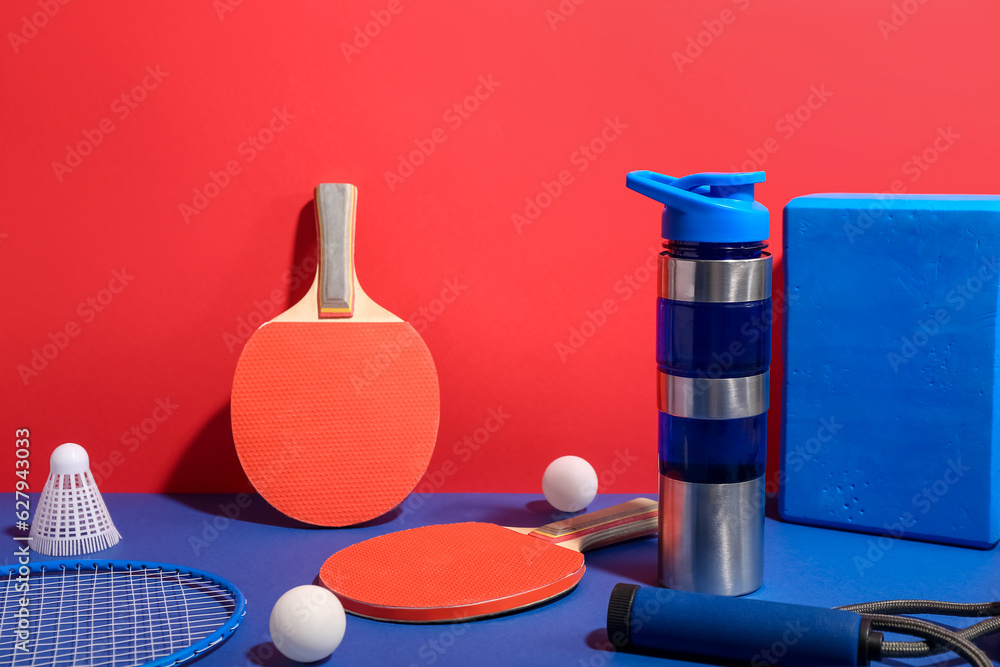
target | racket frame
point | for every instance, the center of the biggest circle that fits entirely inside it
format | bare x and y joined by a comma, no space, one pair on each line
186,654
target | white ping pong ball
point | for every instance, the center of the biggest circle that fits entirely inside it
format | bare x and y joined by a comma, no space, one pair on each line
569,483
307,623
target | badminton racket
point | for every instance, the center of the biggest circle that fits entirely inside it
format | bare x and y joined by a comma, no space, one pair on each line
113,613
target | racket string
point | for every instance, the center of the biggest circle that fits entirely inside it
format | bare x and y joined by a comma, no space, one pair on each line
116,617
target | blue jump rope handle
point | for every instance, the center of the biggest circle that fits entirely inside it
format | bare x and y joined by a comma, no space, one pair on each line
724,628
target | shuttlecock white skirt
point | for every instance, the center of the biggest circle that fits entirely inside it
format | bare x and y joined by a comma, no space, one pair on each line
71,518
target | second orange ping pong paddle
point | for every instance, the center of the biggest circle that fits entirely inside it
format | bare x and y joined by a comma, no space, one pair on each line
463,571
335,402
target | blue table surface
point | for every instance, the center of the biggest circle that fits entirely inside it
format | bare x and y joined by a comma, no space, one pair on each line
264,554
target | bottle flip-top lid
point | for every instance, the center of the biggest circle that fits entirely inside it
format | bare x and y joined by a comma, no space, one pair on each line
711,207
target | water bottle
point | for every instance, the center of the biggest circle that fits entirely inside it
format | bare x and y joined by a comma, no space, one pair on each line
713,352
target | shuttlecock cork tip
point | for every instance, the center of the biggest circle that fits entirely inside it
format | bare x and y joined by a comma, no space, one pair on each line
69,459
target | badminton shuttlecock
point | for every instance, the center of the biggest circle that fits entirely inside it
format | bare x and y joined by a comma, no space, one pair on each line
71,518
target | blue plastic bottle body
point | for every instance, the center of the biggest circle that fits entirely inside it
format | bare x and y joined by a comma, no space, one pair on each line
713,340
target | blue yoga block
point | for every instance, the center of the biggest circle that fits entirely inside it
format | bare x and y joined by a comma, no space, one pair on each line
890,421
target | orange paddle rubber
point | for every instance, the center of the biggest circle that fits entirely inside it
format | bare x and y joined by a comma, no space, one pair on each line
462,571
335,402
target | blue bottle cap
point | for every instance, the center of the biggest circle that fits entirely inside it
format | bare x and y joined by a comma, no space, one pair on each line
713,207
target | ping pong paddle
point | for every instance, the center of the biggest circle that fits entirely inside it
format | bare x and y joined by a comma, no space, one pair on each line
463,571
335,402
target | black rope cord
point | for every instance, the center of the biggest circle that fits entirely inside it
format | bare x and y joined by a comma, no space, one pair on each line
937,639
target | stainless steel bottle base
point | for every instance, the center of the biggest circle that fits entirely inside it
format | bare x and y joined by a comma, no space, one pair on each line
712,536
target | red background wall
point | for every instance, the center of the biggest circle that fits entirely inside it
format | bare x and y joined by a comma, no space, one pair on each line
892,77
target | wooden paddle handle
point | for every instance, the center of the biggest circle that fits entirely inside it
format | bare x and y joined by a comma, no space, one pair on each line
636,518
335,206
